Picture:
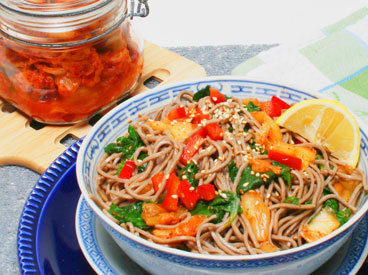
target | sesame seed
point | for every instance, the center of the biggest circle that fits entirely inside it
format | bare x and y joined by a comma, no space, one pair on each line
184,177
257,175
167,176
174,196
252,173
194,161
223,195
245,184
202,171
191,188
239,142
268,196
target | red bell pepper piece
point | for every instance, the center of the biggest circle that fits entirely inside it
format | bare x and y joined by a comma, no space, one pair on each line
177,113
187,194
206,192
280,102
216,97
127,170
199,116
192,147
157,180
291,161
214,131
273,110
170,202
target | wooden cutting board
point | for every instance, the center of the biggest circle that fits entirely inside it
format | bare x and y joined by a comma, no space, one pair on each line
22,144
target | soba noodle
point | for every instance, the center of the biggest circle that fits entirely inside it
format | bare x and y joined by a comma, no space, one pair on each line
163,154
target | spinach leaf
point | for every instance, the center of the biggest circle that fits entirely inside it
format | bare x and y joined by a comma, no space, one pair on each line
202,208
308,202
227,202
126,145
292,200
332,203
248,181
202,93
252,108
142,156
320,166
189,172
343,216
120,166
130,143
131,213
285,172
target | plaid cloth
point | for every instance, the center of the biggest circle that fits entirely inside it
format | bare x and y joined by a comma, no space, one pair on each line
334,62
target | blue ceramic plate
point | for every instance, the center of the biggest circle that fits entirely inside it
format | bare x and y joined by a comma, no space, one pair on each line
47,241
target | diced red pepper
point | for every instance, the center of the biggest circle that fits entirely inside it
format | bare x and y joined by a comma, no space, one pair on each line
214,131
194,144
273,110
199,116
216,97
157,180
280,102
170,202
187,194
127,170
291,161
177,113
206,192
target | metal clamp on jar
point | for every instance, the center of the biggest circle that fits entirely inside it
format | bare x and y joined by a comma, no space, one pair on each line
63,61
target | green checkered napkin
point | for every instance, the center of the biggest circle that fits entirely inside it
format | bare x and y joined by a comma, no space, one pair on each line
333,62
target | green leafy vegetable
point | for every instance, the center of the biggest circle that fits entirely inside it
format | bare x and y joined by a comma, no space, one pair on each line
142,156
130,143
227,202
131,213
332,203
120,166
252,108
189,171
202,93
285,172
343,216
308,202
292,200
248,181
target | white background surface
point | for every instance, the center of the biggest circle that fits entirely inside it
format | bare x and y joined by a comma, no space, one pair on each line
239,22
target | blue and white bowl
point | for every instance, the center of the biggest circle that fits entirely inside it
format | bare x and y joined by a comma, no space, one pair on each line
158,259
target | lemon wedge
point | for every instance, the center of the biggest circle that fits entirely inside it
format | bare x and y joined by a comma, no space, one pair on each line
327,123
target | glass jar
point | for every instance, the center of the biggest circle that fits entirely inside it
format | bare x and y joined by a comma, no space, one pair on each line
62,61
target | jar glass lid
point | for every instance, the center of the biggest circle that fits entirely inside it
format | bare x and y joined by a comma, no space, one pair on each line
54,8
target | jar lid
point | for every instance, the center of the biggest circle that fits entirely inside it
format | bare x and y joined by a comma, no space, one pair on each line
60,23
54,8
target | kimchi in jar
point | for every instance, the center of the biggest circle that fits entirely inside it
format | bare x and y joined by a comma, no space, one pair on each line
62,61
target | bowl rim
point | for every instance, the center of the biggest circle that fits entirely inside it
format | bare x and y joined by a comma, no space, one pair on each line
177,252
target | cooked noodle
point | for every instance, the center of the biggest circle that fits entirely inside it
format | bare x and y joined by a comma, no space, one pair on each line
223,239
